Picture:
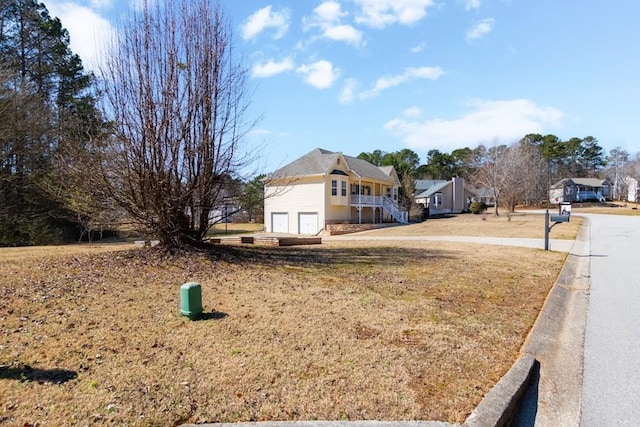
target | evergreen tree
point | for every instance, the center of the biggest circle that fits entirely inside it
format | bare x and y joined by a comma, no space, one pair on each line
45,96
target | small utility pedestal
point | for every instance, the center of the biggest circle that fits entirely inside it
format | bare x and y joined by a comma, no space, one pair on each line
191,300
556,219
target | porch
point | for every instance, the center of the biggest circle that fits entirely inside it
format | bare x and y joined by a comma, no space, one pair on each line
381,208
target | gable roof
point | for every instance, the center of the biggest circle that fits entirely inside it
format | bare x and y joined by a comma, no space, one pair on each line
316,162
589,182
439,186
425,184
319,162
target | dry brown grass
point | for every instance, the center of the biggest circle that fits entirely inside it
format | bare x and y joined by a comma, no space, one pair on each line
616,208
345,330
525,225
236,228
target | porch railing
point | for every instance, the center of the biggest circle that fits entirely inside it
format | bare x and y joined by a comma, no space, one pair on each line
392,208
385,202
361,199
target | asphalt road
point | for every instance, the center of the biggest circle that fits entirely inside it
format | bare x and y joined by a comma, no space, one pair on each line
611,379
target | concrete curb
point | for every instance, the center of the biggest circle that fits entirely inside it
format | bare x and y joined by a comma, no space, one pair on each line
501,403
327,424
555,347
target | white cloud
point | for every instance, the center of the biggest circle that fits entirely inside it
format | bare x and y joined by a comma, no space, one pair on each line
472,4
327,17
264,19
272,68
380,13
329,11
101,4
344,33
88,31
412,112
347,94
419,48
320,74
481,29
383,83
487,122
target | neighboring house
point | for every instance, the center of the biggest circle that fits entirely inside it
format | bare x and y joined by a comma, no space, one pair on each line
484,195
632,189
443,197
323,187
580,190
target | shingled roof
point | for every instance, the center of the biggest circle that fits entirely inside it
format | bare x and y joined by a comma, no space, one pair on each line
590,182
319,162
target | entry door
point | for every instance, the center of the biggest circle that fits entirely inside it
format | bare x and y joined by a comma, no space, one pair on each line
308,223
280,222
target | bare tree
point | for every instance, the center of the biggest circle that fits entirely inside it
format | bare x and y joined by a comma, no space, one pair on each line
178,103
617,162
501,170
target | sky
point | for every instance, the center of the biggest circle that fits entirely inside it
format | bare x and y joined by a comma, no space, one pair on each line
359,75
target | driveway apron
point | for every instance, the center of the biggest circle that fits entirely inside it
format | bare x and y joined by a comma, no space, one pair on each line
611,382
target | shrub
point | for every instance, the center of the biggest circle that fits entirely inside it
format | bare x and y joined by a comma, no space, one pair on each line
477,207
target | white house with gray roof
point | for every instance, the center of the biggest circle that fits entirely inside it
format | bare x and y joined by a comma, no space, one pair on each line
443,197
580,190
325,187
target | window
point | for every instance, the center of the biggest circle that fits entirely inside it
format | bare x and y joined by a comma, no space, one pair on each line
344,188
334,187
437,199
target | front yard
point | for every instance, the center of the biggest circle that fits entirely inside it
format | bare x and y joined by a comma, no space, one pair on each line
343,330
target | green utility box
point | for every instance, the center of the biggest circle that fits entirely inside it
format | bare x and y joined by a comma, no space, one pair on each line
191,300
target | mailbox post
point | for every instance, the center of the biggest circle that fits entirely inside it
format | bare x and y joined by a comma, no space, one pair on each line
556,219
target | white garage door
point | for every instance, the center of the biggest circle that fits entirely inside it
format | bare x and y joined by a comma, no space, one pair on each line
280,222
308,223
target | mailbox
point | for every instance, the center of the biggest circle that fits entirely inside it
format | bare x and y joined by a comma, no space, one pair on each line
560,218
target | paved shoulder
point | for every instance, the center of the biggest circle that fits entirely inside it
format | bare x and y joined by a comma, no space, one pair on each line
611,385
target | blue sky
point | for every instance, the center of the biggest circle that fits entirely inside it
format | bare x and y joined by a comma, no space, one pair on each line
360,75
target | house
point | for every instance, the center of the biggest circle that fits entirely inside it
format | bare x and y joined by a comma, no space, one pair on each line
580,190
484,195
632,189
325,187
443,197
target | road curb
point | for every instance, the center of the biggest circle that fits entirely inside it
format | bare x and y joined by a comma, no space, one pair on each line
554,347
501,403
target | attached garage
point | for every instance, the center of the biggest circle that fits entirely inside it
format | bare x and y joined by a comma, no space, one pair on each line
308,223
280,222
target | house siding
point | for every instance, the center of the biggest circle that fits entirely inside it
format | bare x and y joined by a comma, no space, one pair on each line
299,198
324,183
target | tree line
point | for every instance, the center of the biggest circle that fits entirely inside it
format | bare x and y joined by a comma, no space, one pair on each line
517,173
152,138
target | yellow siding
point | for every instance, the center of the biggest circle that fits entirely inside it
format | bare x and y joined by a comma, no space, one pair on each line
304,196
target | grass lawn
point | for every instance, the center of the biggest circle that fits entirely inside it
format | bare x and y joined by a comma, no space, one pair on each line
519,224
344,330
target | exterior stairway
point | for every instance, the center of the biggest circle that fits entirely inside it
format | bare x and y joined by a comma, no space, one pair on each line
392,209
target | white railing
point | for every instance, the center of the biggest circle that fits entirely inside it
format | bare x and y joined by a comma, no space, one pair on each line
361,199
392,208
385,202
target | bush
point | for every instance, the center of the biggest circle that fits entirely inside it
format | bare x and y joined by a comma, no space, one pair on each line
477,207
